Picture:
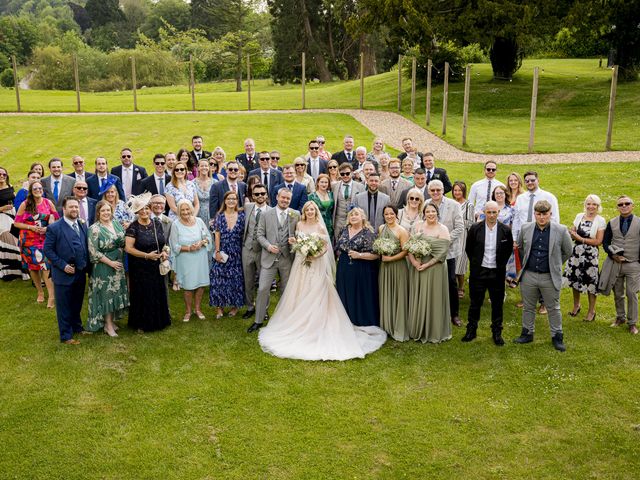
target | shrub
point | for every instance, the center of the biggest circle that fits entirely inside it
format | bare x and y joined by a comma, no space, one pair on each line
6,78
53,70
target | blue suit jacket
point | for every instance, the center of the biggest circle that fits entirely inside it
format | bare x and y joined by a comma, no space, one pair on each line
61,248
139,174
216,195
298,197
275,177
94,187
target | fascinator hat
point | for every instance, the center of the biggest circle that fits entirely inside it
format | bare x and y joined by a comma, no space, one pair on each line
138,202
110,182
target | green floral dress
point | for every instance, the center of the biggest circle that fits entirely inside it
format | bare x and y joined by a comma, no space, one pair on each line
107,287
326,209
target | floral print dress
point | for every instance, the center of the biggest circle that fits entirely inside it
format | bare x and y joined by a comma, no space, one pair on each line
582,267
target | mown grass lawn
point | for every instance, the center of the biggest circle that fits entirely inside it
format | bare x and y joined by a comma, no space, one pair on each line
573,104
201,400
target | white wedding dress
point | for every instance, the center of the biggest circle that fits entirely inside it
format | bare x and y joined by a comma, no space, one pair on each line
310,322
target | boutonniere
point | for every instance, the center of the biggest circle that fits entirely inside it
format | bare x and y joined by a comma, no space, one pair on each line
81,220
291,214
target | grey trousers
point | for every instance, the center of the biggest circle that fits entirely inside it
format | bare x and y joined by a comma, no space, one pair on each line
628,282
267,276
250,266
532,286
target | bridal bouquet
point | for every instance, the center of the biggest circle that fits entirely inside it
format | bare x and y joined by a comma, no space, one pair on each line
386,246
308,245
418,246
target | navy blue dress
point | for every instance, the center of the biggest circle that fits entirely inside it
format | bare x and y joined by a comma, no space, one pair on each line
357,280
227,280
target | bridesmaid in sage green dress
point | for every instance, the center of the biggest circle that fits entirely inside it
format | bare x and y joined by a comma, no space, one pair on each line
429,312
108,297
323,198
394,279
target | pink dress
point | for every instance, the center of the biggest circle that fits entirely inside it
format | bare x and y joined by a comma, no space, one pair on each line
32,243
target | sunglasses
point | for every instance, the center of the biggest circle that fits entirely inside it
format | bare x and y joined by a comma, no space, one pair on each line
490,169
233,169
36,189
332,167
78,163
414,198
266,159
531,180
179,169
160,163
314,148
259,194
345,174
3,174
300,165
81,188
624,204
321,142
275,158
125,156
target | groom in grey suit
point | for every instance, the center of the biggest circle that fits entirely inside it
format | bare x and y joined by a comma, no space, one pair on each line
544,246
276,230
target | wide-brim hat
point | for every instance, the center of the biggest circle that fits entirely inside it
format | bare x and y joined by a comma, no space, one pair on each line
138,202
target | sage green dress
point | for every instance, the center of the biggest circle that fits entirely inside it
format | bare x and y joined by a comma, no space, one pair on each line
394,294
107,286
429,314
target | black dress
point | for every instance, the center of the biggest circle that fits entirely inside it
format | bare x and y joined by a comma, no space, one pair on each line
10,260
149,307
357,280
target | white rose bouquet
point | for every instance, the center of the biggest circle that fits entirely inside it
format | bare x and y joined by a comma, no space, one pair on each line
308,245
386,246
418,246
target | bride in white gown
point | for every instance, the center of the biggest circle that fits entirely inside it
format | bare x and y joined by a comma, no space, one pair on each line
310,322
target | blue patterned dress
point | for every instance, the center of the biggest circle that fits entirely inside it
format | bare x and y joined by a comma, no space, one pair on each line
227,280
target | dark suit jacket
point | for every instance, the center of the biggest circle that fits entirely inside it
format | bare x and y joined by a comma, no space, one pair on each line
94,187
139,174
61,247
475,247
341,157
242,160
298,197
322,166
441,174
275,177
91,211
216,195
403,155
192,156
149,185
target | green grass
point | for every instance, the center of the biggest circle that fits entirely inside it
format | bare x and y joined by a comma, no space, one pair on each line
572,105
201,400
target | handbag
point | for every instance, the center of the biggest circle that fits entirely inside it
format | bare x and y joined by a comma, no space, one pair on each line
165,266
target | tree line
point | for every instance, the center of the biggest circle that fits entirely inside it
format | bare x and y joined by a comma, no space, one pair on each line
334,34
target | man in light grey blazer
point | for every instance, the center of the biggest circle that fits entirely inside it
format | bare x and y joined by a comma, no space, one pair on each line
395,184
544,246
372,201
57,186
251,248
344,194
450,215
276,231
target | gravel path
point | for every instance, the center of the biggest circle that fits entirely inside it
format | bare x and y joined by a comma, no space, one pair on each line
392,127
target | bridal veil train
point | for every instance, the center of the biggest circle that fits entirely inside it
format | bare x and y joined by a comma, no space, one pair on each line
310,322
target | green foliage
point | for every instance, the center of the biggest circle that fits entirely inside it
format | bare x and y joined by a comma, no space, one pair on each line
104,12
176,13
53,69
18,36
6,78
506,56
4,62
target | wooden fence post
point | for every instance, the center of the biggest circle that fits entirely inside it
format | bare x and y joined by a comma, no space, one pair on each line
192,84
16,82
399,82
445,98
304,79
248,82
428,107
361,80
465,108
534,108
414,67
77,80
612,106
133,83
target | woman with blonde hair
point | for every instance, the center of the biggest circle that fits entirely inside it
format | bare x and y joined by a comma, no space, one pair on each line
581,270
180,188
302,176
220,157
332,170
412,212
357,274
515,186
310,322
407,170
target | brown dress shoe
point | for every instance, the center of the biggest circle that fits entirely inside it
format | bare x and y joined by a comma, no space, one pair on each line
72,341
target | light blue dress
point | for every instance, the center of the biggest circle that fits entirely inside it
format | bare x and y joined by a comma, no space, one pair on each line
192,268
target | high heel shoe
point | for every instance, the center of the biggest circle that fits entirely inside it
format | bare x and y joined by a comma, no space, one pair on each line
40,298
575,313
186,317
587,319
200,315
51,303
111,334
219,313
233,312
